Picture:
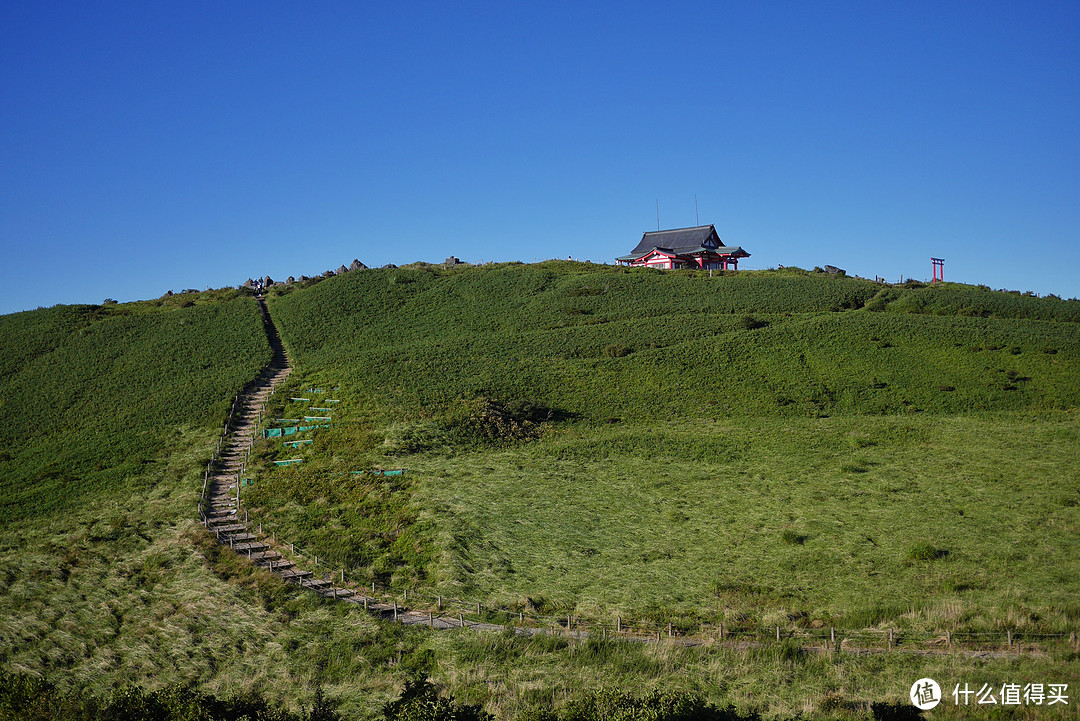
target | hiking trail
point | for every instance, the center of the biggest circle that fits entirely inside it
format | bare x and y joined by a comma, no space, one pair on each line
223,515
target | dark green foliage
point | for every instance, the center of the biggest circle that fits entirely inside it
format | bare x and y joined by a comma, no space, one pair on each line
980,302
793,538
882,298
31,698
925,552
892,711
420,701
749,322
485,420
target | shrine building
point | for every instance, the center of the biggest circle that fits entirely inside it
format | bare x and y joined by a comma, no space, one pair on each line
698,247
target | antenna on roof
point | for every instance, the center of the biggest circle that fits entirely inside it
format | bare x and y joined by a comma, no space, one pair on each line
697,220
658,213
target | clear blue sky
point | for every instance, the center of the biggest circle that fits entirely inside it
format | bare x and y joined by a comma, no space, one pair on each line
151,146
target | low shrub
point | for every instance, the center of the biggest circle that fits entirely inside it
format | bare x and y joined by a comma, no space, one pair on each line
749,322
925,552
793,538
420,701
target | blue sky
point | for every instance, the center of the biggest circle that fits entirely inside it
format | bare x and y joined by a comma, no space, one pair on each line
154,146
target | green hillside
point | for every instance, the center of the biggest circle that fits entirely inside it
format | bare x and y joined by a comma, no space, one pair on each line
602,342
759,449
756,447
91,396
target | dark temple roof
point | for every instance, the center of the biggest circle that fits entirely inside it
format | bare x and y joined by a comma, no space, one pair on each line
683,242
678,239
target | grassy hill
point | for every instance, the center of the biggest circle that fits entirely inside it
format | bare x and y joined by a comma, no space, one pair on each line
758,449
774,448
604,342
752,447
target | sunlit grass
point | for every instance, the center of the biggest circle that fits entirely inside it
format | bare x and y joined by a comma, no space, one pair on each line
600,530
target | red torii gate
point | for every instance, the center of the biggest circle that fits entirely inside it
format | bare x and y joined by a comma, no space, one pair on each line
939,269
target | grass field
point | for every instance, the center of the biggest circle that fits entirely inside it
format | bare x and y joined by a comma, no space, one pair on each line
923,523
763,449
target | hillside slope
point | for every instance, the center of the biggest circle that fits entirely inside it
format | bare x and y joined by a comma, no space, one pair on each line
92,395
652,444
600,342
763,449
